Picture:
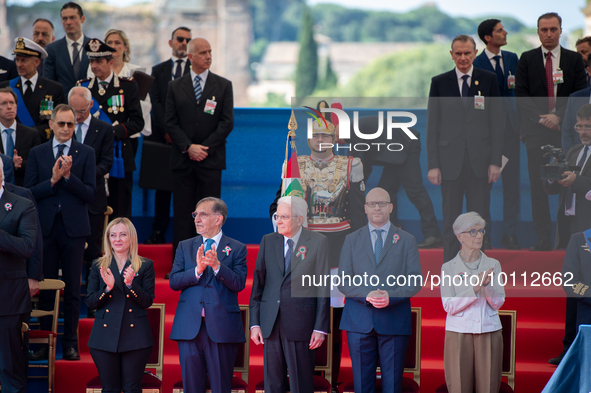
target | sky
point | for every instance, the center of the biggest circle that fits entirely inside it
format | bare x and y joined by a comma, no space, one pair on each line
527,11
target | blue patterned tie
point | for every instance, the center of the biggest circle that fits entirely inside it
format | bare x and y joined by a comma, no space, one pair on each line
288,255
379,245
499,72
197,88
208,245
9,148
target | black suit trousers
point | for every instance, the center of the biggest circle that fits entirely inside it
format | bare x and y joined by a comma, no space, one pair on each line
539,199
189,186
477,192
13,374
281,354
121,371
58,248
161,210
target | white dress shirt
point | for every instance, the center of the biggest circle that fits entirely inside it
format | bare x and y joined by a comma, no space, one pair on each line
80,42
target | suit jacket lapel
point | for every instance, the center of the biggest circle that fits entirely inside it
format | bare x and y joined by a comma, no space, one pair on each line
187,68
388,242
188,87
91,133
210,85
74,150
540,68
279,254
49,157
6,198
304,241
116,275
367,245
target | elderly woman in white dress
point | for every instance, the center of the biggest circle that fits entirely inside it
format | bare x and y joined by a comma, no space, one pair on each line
472,296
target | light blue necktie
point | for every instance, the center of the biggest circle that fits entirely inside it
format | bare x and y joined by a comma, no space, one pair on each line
379,245
288,255
79,133
197,88
9,148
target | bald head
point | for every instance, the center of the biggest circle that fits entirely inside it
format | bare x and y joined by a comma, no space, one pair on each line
199,55
378,215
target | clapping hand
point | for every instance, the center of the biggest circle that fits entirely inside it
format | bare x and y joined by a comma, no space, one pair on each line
108,278
128,275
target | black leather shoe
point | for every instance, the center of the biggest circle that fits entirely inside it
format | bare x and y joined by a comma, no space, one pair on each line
510,242
157,237
41,354
431,242
541,245
70,354
90,313
556,361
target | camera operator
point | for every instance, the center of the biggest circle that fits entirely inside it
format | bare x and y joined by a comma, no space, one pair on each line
574,210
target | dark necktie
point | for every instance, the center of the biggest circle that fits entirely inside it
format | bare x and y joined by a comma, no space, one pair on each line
568,196
550,82
9,148
288,255
379,245
75,59
499,72
465,88
28,92
60,150
197,88
179,69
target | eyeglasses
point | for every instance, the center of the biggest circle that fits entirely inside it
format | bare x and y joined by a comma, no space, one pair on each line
181,39
475,232
202,215
62,124
283,217
581,128
380,204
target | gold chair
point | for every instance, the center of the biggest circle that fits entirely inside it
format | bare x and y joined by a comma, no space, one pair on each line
45,336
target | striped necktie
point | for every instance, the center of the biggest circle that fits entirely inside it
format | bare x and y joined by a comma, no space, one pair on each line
197,88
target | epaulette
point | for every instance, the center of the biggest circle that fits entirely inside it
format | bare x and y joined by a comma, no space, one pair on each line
81,81
126,78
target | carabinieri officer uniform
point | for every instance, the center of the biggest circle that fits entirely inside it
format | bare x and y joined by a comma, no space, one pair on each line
116,101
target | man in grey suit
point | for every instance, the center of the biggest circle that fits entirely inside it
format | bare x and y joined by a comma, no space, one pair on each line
377,315
290,319
66,60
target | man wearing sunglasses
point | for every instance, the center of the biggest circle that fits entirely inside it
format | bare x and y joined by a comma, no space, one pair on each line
574,208
209,270
171,69
61,176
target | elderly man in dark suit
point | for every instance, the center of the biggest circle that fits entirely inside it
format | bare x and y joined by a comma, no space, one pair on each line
165,72
546,76
290,319
17,139
62,176
209,270
18,229
98,135
464,137
377,318
199,117
504,65
37,96
66,60
576,100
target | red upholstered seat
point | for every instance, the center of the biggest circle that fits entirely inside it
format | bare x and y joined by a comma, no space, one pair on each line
40,334
408,386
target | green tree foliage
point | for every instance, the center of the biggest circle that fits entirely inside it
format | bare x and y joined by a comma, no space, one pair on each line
307,69
329,78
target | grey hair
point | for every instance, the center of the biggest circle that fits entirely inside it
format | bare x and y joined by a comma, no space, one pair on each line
467,221
80,91
298,206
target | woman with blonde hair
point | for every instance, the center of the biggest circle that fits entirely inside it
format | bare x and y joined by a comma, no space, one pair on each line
121,288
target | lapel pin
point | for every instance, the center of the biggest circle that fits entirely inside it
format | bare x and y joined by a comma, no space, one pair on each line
301,252
8,207
395,239
476,83
227,250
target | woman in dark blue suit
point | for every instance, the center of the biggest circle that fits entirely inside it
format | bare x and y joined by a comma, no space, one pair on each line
121,288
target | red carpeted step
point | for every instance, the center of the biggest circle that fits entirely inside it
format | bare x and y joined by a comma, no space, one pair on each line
539,320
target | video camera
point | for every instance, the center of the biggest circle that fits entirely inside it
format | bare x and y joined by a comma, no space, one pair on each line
556,169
